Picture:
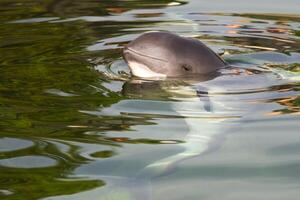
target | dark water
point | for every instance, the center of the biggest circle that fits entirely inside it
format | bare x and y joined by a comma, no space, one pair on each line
74,125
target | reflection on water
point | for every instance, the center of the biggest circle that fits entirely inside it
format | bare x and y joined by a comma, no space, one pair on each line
11,144
75,125
27,162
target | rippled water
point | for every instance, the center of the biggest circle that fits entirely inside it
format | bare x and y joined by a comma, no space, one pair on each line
75,125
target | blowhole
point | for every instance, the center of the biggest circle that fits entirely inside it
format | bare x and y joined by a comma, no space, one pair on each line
186,68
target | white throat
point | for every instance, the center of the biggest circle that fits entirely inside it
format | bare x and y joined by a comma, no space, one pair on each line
143,71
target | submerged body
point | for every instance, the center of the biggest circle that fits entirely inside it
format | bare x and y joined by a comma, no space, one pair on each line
205,110
201,109
163,54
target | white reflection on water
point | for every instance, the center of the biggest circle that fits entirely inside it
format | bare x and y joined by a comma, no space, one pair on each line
13,144
28,162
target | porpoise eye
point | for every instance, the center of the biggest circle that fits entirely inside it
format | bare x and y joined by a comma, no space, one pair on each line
186,67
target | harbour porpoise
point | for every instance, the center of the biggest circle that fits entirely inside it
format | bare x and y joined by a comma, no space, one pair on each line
164,54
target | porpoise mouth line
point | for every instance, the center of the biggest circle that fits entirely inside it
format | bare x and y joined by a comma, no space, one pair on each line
144,55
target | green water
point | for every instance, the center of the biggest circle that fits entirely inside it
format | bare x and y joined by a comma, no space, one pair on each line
74,126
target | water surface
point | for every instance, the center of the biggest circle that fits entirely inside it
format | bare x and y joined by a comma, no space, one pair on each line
75,125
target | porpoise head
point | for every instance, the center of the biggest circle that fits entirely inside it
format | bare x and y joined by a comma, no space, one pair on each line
163,54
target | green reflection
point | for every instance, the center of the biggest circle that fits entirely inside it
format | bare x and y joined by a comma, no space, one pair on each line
36,184
40,57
